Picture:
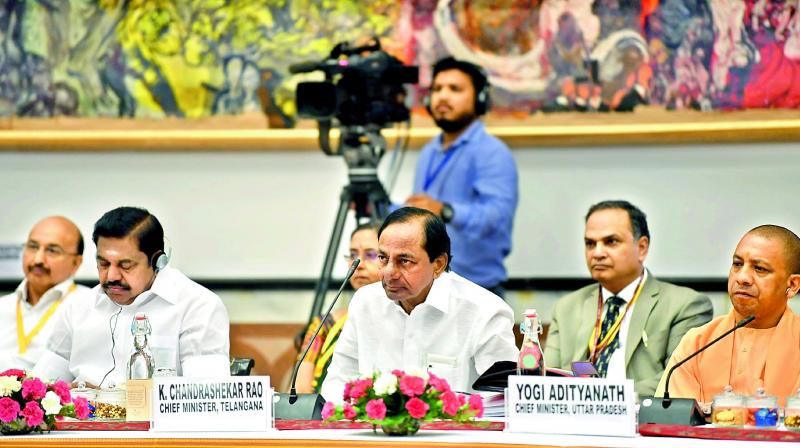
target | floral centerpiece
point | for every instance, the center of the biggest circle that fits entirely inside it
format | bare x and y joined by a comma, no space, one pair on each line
28,404
398,402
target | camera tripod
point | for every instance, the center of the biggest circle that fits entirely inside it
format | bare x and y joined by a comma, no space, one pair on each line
365,192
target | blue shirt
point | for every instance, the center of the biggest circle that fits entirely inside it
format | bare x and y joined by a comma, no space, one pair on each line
479,180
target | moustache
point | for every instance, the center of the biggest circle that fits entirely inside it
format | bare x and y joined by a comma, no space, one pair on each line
38,266
116,284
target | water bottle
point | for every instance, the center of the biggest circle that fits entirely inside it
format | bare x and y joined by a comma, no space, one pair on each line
141,364
531,357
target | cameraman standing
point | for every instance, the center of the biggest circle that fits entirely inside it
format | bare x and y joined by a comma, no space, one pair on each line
467,176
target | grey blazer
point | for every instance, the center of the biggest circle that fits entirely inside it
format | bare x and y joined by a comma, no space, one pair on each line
664,312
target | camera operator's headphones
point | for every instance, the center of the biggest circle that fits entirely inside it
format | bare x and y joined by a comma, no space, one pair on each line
478,76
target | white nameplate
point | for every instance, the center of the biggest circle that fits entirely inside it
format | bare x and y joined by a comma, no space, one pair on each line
237,403
587,406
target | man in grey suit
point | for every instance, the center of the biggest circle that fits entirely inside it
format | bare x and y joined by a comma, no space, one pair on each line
628,323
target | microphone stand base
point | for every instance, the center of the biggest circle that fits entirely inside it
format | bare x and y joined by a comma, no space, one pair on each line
682,411
306,407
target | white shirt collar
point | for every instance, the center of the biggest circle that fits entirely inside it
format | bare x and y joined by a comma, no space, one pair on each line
438,296
51,295
627,292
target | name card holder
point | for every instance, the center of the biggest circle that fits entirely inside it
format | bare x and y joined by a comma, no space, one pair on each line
560,405
212,404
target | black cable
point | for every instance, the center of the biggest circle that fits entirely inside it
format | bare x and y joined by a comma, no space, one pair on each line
113,344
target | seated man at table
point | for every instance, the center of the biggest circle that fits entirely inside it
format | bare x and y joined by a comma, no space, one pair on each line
629,322
50,257
93,340
420,316
764,275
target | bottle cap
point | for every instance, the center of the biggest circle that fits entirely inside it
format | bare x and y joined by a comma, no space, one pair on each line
531,312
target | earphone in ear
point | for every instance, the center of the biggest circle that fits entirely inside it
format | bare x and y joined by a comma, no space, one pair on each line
159,260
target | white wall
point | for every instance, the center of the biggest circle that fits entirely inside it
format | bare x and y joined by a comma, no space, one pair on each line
269,215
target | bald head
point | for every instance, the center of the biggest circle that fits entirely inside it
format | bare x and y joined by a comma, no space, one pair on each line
52,254
787,239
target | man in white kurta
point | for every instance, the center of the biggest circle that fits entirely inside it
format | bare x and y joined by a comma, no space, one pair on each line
186,319
420,317
93,342
50,257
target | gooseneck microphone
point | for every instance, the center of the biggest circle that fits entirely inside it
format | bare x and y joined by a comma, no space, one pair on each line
309,406
666,402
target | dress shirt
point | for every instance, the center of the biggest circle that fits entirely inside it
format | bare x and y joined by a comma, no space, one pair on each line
748,359
616,365
457,333
185,317
479,180
10,357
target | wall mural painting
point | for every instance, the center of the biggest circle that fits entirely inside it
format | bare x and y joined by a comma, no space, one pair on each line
185,58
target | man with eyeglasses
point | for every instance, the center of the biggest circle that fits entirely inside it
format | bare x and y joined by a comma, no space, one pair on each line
50,257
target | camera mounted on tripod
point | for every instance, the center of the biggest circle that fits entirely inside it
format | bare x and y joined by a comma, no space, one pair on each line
363,92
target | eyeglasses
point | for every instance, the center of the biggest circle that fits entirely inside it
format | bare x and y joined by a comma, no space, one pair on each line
369,255
51,251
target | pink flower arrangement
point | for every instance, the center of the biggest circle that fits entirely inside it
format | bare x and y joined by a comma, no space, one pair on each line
401,401
28,404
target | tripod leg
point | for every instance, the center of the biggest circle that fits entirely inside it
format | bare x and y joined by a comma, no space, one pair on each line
379,204
330,255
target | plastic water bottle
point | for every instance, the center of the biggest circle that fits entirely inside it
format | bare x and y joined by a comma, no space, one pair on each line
531,357
141,364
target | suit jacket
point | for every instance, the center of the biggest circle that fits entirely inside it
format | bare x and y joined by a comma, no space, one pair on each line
664,311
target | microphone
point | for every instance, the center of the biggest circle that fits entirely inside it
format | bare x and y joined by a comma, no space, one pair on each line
292,406
667,401
680,411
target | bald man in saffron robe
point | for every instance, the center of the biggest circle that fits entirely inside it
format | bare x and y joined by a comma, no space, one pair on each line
764,275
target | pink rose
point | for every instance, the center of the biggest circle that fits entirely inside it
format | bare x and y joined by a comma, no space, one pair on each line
329,410
33,413
62,390
398,373
411,386
359,388
437,383
450,404
462,400
476,404
81,407
348,411
376,409
33,389
417,408
8,410
347,388
13,372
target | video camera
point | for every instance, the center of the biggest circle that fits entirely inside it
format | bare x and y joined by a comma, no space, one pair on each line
363,86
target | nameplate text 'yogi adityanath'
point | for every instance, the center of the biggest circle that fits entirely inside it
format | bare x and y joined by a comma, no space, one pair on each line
557,405
206,404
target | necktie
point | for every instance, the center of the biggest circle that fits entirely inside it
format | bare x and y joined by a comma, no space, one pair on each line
612,313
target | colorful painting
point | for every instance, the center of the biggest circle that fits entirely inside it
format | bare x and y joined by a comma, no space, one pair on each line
195,58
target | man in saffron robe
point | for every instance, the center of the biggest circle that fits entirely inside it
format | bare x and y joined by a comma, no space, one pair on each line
764,275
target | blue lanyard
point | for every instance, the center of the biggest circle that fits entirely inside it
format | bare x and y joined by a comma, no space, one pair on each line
430,177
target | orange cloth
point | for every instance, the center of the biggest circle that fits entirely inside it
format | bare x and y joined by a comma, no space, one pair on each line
747,359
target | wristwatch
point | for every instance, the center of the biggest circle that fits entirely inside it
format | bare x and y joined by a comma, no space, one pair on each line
447,212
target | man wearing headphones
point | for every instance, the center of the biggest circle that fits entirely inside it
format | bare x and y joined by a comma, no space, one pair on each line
93,340
467,176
